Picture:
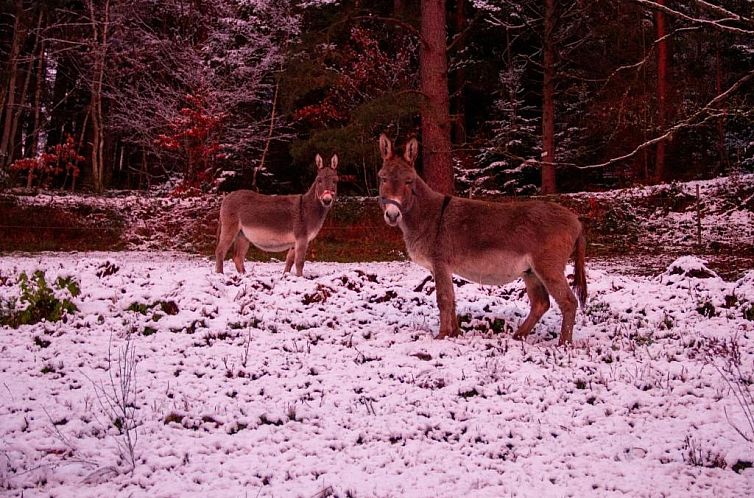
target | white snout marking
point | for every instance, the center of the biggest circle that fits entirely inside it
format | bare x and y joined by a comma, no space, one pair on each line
326,198
392,215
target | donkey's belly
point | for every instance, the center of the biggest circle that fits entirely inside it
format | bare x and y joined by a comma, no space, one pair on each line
269,240
493,268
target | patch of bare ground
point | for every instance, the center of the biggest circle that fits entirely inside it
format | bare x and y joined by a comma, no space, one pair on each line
643,228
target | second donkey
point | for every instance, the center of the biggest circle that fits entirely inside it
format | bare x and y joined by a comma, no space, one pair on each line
275,223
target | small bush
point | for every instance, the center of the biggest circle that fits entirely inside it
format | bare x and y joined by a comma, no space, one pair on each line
167,307
620,218
707,309
40,299
149,331
748,312
695,455
673,198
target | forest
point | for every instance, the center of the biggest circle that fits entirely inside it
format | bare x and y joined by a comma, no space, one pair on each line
506,97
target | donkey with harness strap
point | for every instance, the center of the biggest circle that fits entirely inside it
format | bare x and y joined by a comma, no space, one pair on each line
486,242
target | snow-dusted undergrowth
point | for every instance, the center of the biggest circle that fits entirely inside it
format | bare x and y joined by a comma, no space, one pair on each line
259,385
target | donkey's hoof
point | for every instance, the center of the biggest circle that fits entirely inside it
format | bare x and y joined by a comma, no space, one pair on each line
520,336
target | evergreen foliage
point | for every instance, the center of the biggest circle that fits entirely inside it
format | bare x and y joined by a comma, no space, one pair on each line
39,301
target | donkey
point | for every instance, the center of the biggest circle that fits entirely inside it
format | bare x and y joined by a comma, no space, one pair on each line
275,223
485,242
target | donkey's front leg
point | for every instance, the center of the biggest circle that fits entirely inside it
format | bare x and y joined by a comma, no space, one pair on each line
299,254
289,260
446,301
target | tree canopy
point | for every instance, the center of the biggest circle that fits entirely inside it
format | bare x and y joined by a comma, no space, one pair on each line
197,95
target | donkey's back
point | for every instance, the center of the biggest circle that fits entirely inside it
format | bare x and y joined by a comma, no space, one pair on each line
259,212
520,227
493,243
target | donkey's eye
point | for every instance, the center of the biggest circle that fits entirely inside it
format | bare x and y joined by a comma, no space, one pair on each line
409,182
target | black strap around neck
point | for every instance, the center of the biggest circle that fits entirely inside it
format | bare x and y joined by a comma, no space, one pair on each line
445,203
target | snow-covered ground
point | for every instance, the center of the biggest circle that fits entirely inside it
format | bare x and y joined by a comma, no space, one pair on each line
331,385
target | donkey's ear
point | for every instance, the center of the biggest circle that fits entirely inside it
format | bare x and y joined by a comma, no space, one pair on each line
386,147
319,162
334,162
412,150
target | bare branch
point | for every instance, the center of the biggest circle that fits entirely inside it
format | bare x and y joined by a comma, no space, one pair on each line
460,37
714,23
699,117
638,65
722,11
499,23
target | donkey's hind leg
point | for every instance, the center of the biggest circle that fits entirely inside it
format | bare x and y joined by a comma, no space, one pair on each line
224,241
239,254
539,300
556,284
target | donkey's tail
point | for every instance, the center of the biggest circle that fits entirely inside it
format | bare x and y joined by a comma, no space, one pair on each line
579,272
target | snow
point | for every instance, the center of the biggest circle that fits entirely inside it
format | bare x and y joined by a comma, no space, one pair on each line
332,385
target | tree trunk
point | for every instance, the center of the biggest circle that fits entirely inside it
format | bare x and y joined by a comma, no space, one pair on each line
398,8
144,172
271,129
646,110
9,107
548,102
36,110
37,105
433,71
459,77
99,42
662,89
722,152
15,133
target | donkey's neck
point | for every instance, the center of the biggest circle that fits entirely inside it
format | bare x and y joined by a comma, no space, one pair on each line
312,210
424,215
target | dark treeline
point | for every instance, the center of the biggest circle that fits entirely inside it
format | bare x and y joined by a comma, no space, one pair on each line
505,96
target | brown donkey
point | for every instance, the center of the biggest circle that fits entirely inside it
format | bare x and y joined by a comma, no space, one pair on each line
275,223
485,242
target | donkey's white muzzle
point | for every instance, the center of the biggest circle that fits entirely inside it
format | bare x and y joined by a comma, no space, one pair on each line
392,215
327,198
